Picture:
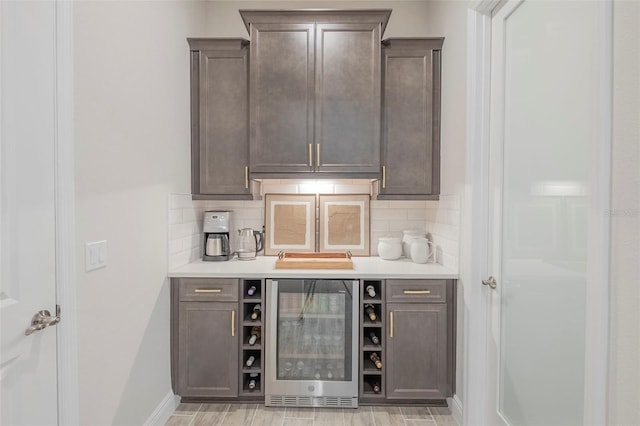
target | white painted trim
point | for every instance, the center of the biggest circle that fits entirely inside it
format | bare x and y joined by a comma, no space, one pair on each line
164,410
475,213
455,406
67,332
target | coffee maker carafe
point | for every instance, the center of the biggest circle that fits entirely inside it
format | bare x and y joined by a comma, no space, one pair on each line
216,235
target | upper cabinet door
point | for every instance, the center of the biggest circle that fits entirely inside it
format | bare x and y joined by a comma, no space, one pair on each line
220,119
411,119
282,86
347,109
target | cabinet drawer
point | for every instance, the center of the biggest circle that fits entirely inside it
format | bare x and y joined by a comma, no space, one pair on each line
206,289
434,291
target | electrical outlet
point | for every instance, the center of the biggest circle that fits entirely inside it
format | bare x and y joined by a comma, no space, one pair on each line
95,255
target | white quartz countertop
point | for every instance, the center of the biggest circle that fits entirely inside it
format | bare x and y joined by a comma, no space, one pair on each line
363,268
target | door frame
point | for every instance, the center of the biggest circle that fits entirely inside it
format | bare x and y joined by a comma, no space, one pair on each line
476,218
67,329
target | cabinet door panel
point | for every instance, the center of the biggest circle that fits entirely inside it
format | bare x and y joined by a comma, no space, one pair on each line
348,97
416,365
224,122
208,349
411,119
282,84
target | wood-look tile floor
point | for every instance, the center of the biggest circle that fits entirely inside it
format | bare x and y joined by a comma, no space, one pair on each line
259,415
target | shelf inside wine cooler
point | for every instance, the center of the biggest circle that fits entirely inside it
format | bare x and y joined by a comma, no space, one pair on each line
311,356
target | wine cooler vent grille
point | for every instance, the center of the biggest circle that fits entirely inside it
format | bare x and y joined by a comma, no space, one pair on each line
306,401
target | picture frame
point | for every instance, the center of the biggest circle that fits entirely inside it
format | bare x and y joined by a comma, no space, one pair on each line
344,223
290,223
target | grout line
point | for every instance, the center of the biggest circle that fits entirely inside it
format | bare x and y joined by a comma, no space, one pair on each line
255,411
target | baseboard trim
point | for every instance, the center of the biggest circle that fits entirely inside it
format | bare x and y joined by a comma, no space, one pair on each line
163,411
455,406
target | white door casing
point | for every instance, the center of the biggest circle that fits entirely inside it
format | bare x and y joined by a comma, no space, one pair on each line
481,390
38,377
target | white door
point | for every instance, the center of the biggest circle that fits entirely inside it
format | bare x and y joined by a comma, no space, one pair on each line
27,234
546,118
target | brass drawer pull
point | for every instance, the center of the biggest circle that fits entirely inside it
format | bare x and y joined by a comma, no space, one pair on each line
318,155
384,177
246,177
310,156
417,292
391,324
233,323
207,290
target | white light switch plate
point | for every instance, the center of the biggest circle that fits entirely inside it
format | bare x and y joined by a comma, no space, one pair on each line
95,255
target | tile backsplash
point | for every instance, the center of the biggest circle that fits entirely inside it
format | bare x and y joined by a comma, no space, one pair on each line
387,218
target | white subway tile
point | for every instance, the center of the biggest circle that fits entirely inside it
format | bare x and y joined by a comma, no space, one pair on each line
401,225
352,189
379,204
247,213
175,216
391,214
449,202
431,204
417,214
179,259
279,188
180,230
320,187
254,204
190,215
430,215
179,201
379,225
407,204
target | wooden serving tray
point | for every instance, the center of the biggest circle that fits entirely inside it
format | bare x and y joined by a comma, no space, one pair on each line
314,261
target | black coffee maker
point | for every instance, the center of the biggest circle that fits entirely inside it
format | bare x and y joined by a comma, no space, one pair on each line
216,236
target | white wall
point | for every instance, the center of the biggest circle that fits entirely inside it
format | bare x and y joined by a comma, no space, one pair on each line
624,350
132,148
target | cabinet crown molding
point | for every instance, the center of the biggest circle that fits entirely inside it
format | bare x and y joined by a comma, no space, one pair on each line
319,16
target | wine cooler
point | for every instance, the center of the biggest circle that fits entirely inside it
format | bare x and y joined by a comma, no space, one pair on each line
312,343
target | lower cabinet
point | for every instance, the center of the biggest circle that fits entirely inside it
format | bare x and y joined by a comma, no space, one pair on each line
407,339
417,351
420,344
208,349
205,337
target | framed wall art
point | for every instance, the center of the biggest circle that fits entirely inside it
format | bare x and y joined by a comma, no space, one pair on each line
344,224
290,223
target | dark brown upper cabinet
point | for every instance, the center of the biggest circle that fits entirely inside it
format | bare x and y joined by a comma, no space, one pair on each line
411,119
315,92
220,119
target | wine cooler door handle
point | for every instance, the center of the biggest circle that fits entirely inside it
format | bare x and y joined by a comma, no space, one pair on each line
391,324
233,323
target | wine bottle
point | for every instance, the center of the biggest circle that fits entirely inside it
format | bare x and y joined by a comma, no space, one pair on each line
371,291
375,386
251,291
329,371
376,360
370,312
255,335
252,384
318,370
250,361
374,339
256,312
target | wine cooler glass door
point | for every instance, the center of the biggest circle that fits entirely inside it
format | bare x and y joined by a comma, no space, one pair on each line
315,340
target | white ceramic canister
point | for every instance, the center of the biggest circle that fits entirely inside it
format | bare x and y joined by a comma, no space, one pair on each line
407,235
389,248
421,249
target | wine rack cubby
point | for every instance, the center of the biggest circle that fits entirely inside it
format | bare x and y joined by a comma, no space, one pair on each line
252,323
372,334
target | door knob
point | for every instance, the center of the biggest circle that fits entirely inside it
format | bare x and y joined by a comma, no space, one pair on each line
491,282
41,319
